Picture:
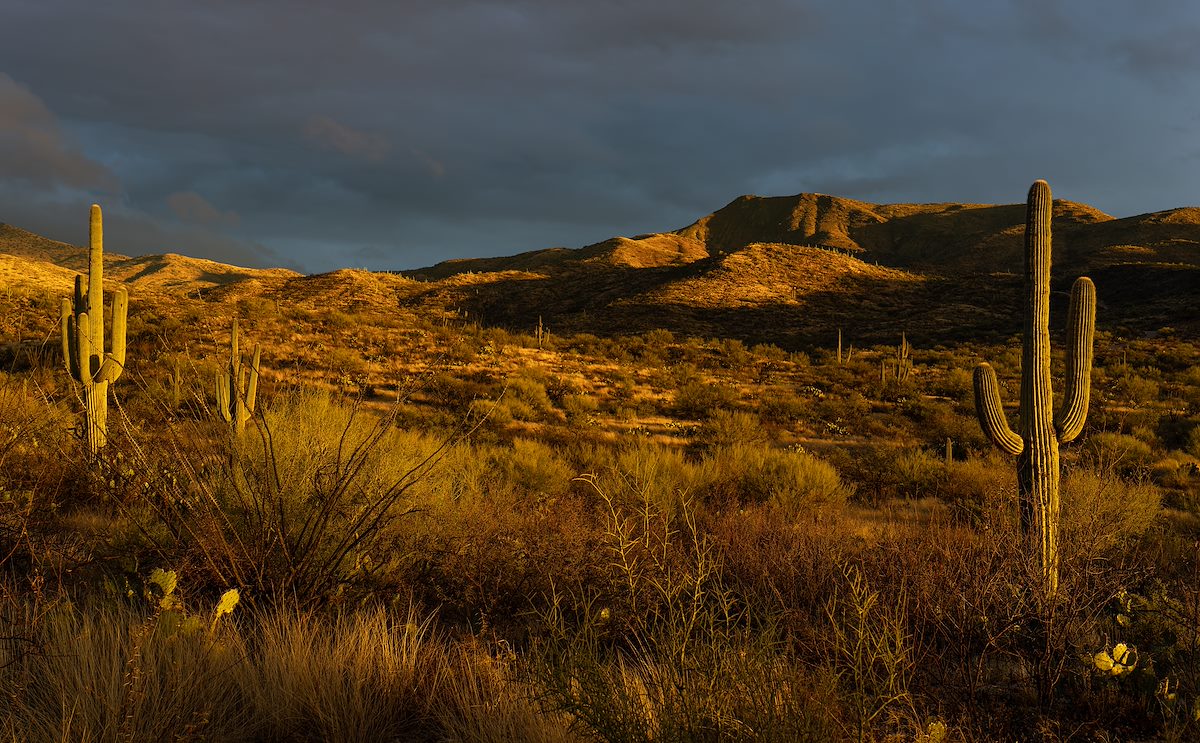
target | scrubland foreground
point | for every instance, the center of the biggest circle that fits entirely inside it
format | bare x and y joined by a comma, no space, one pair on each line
387,524
498,564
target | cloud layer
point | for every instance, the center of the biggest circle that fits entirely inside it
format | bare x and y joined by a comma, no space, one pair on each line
395,135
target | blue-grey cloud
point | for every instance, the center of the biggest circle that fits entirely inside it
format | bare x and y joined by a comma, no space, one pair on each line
36,152
398,134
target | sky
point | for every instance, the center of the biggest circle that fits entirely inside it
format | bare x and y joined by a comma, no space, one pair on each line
396,134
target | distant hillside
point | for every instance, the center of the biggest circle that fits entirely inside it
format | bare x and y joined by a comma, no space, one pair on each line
787,270
791,267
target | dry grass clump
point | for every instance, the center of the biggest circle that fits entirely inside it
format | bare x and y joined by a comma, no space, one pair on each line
111,672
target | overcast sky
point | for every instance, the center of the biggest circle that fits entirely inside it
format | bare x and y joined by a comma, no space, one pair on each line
399,133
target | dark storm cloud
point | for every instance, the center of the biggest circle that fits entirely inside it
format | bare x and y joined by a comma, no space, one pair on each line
398,134
327,132
190,206
34,149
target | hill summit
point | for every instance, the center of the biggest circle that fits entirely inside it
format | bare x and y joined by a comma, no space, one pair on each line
785,269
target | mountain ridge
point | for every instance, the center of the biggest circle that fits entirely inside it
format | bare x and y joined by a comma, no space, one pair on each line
759,268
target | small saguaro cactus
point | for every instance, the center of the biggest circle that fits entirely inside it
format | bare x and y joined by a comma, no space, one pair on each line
903,359
1040,431
237,386
82,322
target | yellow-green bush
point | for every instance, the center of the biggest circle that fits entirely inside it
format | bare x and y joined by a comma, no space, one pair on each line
795,482
1101,509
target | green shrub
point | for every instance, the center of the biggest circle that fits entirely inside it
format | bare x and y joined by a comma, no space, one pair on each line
533,468
796,482
700,400
980,489
782,407
1118,453
579,408
918,473
1193,442
1100,510
726,428
653,474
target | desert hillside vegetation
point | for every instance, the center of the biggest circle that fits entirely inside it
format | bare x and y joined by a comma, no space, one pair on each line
726,483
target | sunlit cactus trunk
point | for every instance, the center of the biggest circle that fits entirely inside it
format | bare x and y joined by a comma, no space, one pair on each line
237,386
1040,432
82,322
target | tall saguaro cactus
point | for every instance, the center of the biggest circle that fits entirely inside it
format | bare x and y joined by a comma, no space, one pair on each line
1040,431
82,323
237,386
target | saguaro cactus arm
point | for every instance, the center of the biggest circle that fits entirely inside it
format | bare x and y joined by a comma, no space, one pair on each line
252,383
69,341
114,360
223,397
990,410
1081,326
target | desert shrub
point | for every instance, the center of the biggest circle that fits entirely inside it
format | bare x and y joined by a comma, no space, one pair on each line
529,397
1118,453
979,489
769,351
782,407
651,473
697,399
1193,442
34,445
659,337
495,560
918,473
844,414
957,384
532,468
454,391
344,362
733,354
497,413
1135,389
725,428
300,505
1100,510
660,650
578,408
797,483
338,320
558,387
885,472
719,689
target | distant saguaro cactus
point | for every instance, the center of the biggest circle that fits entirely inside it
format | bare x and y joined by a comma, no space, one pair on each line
903,359
237,386
82,323
1040,431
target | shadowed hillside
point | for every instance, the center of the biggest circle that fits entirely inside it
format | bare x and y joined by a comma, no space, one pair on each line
792,269
787,270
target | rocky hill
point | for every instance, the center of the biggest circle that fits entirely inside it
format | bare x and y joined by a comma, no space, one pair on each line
786,270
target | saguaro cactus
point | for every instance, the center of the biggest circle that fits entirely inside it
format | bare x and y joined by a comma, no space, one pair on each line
82,323
237,386
903,359
1040,431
